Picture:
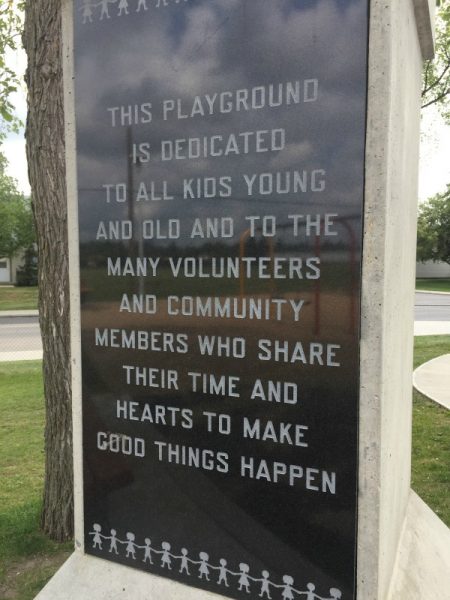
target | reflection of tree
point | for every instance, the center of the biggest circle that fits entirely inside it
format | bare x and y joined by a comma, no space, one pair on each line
95,252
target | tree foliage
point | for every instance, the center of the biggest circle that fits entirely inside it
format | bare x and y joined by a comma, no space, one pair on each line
11,23
433,229
436,74
16,217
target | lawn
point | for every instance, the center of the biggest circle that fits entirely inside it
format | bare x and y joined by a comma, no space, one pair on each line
433,285
18,298
28,559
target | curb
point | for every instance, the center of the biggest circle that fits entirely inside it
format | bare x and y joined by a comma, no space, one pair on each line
21,355
19,313
432,292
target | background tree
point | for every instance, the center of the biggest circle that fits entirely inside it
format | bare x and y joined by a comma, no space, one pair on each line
433,229
10,27
16,217
27,274
433,225
46,168
436,74
45,152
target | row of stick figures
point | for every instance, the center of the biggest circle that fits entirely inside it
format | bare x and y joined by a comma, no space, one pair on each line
205,569
123,7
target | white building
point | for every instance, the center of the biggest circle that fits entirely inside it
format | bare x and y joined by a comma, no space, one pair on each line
8,268
431,269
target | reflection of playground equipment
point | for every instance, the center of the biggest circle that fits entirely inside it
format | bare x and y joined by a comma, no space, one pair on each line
242,241
317,283
353,279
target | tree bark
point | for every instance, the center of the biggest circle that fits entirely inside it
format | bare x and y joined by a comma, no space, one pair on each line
45,152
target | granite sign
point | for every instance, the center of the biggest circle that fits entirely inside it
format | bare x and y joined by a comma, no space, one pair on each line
220,161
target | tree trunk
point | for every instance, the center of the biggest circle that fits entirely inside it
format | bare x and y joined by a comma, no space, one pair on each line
45,152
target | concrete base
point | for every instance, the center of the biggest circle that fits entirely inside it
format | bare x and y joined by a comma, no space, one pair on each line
84,577
422,570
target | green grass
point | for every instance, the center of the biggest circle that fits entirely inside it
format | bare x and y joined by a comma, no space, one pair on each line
18,298
431,435
28,559
21,473
433,285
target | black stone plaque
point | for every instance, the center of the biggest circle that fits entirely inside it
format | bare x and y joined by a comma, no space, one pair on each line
220,157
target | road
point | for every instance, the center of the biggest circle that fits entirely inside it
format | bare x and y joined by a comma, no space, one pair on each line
432,307
18,334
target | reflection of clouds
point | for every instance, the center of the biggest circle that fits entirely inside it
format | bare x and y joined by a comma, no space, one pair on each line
213,46
293,156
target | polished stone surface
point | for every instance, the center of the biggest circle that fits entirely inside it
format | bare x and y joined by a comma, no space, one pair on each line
217,507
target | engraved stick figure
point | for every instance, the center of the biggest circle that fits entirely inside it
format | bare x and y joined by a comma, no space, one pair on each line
148,551
203,569
184,562
310,595
97,541
131,546
123,7
243,579
142,4
113,544
288,593
265,585
335,594
223,572
105,9
87,11
159,3
165,559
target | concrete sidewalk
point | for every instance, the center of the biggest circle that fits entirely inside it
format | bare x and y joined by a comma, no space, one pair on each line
432,379
21,355
431,328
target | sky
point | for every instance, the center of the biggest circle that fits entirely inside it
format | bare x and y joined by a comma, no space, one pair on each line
14,145
434,166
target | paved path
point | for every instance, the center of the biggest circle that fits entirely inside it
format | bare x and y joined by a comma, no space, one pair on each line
431,328
433,380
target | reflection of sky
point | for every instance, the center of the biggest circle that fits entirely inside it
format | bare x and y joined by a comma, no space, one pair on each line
211,46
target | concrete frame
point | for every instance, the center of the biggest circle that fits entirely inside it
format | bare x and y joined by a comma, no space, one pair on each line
390,515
